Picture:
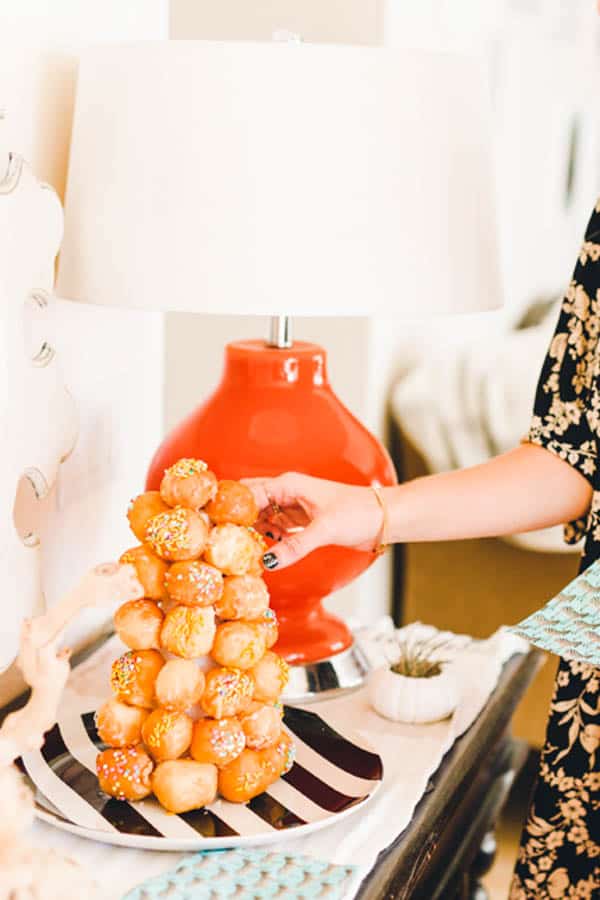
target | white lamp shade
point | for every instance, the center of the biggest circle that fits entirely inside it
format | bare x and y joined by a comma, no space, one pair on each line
280,179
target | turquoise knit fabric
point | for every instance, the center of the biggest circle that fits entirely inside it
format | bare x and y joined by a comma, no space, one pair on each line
569,625
251,874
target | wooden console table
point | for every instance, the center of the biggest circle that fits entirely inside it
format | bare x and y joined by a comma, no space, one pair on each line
449,843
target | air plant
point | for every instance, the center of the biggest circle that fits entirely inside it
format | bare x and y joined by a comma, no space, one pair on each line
417,658
415,686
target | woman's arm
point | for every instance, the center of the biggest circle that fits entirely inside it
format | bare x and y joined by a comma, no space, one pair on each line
523,490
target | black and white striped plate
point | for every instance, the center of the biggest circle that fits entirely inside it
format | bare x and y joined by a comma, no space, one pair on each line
332,777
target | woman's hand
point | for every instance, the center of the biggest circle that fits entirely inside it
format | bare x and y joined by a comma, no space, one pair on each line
331,513
523,490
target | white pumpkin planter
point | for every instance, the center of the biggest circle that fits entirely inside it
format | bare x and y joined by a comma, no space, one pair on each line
412,699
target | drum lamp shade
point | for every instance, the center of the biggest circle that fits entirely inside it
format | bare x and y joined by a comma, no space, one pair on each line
239,178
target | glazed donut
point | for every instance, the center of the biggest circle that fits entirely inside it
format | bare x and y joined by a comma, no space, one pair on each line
246,777
240,645
194,583
138,624
279,758
133,676
188,631
180,684
227,693
269,626
244,597
125,773
177,535
233,502
118,724
260,548
217,741
143,508
189,483
270,676
261,725
181,785
231,548
167,734
150,570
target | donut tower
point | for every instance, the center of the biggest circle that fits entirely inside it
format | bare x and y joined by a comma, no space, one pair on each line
195,708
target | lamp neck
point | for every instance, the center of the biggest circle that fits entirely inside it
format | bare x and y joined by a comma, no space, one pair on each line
280,332
252,363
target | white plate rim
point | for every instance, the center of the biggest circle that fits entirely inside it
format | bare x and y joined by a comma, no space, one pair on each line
195,844
147,842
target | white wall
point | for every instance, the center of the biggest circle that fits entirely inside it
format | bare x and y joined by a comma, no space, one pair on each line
542,62
39,43
112,361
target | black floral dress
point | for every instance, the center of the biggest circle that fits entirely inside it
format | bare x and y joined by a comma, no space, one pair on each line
560,846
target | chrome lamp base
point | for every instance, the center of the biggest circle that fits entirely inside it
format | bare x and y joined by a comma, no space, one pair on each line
326,678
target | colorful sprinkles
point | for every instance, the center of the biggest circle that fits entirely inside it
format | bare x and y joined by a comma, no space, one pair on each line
287,750
284,671
290,757
206,580
185,468
124,671
248,781
160,729
129,558
269,625
185,624
127,766
255,740
169,532
227,742
228,687
257,536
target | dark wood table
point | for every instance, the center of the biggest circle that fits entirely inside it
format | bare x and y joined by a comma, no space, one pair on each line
449,843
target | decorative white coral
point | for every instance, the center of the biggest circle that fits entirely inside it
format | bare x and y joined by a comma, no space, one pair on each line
35,874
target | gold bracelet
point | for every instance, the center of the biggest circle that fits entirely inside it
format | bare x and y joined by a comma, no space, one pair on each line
382,542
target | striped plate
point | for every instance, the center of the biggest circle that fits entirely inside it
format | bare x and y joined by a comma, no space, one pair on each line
331,778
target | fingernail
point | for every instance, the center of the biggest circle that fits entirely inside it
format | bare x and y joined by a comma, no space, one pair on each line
270,561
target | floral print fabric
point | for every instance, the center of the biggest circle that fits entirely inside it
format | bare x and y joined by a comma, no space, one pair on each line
560,850
560,846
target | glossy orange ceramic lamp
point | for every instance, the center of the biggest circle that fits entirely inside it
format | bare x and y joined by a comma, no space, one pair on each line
272,179
274,411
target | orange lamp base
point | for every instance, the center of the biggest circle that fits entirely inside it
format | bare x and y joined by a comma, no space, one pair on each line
274,411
